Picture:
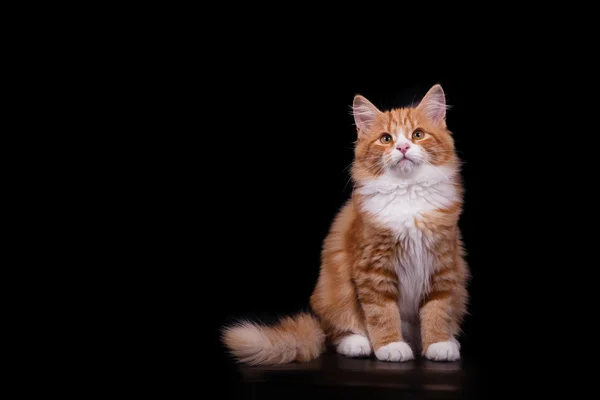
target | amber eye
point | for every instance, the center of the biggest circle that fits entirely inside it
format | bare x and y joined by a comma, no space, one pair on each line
385,138
418,135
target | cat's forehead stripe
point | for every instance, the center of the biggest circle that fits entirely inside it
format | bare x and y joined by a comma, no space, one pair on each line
391,122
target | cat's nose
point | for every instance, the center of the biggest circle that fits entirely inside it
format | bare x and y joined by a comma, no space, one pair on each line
403,148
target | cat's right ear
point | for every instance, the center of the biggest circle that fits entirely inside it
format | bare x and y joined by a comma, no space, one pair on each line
364,113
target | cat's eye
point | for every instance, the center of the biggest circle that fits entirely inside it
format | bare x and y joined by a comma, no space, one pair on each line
418,135
385,138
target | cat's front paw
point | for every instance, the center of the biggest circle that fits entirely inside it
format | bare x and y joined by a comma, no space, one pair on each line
395,351
443,351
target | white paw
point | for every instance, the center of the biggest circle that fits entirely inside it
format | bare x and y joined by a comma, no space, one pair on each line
395,351
354,346
443,351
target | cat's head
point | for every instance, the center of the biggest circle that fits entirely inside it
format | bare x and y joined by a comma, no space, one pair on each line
406,144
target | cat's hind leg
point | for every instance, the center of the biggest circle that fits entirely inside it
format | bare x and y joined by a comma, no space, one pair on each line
353,345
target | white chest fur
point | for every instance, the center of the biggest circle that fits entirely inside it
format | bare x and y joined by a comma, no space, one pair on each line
398,205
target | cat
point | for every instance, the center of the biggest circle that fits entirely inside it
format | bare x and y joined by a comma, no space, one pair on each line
393,278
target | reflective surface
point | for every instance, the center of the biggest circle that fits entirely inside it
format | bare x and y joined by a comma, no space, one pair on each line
337,371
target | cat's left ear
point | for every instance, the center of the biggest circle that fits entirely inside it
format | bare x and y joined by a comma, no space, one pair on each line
434,105
364,113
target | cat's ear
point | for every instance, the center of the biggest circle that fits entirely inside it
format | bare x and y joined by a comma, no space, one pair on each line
364,113
433,104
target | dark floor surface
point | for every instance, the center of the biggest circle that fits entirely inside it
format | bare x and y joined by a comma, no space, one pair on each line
337,376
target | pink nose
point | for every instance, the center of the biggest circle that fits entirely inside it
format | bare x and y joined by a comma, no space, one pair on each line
404,148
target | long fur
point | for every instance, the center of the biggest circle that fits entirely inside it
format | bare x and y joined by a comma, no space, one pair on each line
297,338
393,275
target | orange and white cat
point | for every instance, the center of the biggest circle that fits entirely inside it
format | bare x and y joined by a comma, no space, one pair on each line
393,278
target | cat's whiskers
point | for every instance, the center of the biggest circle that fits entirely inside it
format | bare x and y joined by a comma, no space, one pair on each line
382,166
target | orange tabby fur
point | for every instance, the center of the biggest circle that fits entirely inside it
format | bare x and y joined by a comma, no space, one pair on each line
358,291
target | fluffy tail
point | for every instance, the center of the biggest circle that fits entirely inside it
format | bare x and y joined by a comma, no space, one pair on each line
296,338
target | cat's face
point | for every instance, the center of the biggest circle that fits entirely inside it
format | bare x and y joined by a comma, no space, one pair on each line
403,143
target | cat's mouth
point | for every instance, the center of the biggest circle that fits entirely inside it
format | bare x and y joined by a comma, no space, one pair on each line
405,160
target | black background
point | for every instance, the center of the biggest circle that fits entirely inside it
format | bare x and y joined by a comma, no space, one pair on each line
218,142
